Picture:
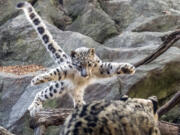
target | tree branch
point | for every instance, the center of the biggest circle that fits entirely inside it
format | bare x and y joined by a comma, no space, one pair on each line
52,117
170,104
168,41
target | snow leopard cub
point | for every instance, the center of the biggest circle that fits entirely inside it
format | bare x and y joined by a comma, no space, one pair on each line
74,73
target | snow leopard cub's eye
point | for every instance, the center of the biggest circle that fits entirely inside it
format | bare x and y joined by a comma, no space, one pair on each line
89,64
80,67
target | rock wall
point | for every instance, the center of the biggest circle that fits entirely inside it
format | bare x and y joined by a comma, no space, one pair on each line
119,30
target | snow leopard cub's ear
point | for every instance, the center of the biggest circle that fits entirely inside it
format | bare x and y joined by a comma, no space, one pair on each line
73,54
91,51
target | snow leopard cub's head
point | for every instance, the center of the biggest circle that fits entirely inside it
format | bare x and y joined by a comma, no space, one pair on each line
84,59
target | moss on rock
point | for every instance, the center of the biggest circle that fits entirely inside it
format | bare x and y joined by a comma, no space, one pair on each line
159,82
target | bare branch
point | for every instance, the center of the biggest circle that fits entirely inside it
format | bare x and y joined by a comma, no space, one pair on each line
169,40
50,117
170,104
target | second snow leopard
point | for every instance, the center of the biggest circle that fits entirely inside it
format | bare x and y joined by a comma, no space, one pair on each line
127,116
74,73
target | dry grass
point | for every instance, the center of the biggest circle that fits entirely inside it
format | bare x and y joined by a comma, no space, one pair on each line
21,69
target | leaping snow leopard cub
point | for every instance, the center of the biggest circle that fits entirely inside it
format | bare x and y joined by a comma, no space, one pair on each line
74,73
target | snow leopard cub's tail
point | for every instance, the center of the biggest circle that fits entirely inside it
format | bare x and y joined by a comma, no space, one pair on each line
54,49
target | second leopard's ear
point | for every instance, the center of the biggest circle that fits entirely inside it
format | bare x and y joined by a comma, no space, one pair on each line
73,54
155,103
91,51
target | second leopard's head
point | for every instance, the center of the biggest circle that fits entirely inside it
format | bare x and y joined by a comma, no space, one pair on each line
84,59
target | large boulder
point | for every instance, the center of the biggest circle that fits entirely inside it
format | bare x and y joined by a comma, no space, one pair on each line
103,19
55,14
159,77
8,10
129,13
17,36
94,22
12,88
158,23
75,8
142,25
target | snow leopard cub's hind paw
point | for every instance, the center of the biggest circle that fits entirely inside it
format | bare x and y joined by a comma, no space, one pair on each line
34,108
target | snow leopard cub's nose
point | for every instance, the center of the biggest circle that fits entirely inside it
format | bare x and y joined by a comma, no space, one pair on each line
84,73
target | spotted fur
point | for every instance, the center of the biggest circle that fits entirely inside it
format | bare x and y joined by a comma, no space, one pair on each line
126,117
79,69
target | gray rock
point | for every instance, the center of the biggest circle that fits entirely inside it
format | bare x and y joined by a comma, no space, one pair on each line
12,87
55,14
18,41
95,23
135,39
19,107
158,24
18,36
121,11
101,19
75,8
130,12
15,97
133,47
161,77
8,10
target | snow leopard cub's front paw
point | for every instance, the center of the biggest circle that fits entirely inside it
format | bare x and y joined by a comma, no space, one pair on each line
34,108
126,68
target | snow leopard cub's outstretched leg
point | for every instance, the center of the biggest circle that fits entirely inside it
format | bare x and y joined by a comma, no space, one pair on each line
55,50
59,73
54,90
109,69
